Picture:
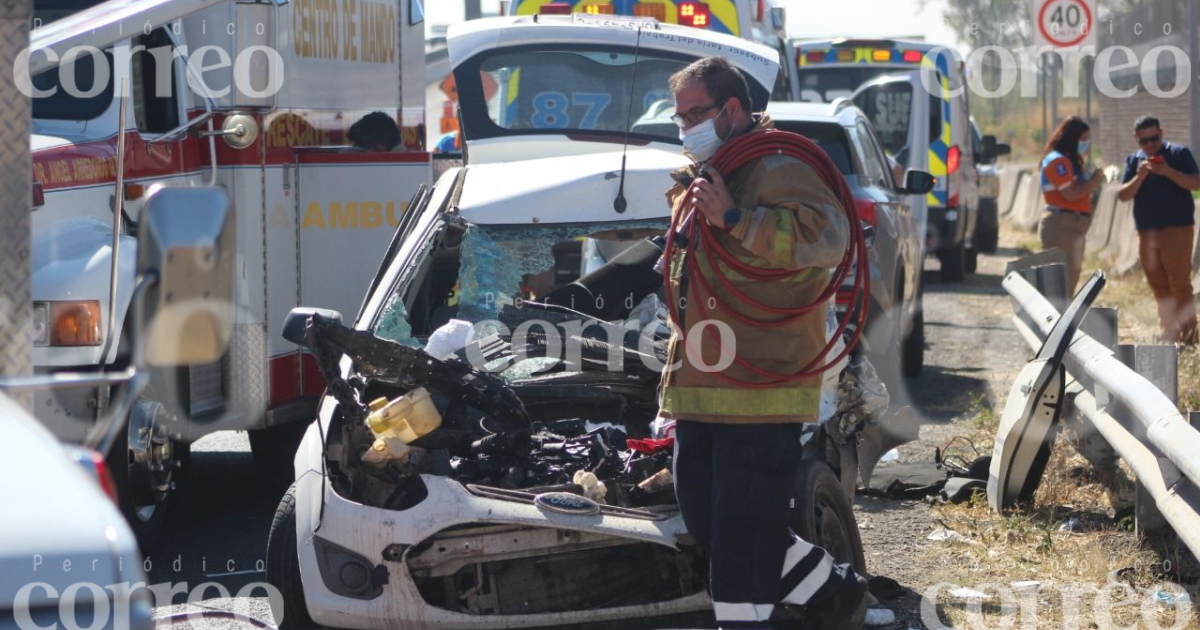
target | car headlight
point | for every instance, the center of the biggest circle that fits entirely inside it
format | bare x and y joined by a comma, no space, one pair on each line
67,323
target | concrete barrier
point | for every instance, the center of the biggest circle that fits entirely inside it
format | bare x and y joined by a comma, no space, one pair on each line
1196,254
1121,251
1102,219
1028,204
1010,179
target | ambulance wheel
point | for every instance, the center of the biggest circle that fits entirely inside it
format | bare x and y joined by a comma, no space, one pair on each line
954,263
823,516
972,260
988,240
283,568
143,462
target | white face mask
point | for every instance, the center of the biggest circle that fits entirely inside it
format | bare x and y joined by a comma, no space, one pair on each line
1084,145
702,141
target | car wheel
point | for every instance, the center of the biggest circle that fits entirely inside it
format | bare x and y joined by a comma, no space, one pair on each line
823,516
912,354
972,259
274,449
988,241
954,263
283,568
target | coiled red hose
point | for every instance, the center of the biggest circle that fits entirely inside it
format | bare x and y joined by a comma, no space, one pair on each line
700,236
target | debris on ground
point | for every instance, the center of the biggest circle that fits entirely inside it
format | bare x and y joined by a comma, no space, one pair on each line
879,617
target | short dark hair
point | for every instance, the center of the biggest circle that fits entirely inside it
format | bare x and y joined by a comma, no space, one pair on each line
1145,122
721,79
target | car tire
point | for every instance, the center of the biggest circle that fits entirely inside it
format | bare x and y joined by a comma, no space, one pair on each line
971,262
988,241
823,516
912,353
954,263
274,449
283,567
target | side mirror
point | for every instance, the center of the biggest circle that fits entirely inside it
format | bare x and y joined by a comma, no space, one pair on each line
918,182
778,18
187,243
297,320
992,149
239,130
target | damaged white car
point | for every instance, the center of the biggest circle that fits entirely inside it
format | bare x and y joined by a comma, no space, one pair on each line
471,469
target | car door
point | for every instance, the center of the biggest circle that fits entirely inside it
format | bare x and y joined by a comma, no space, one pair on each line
899,208
899,108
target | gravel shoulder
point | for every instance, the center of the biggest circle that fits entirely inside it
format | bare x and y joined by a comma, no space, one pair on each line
973,354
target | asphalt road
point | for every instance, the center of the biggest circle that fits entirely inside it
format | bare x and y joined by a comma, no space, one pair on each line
217,534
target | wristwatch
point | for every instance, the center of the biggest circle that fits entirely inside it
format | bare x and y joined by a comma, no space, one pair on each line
733,216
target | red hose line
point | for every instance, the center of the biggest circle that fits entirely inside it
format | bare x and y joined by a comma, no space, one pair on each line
734,155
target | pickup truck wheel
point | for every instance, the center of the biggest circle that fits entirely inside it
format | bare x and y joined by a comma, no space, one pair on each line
283,567
912,352
988,241
954,263
823,516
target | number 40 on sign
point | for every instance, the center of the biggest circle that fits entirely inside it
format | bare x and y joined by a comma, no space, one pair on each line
1065,24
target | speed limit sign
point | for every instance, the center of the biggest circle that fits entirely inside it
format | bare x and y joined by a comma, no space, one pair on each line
1065,23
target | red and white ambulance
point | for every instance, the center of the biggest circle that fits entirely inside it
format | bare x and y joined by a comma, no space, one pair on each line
257,97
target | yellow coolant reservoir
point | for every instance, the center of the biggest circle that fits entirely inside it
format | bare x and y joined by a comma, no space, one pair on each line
405,418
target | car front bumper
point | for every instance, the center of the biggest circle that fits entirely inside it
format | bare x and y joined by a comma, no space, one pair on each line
454,528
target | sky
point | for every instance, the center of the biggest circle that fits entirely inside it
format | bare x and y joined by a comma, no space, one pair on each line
806,18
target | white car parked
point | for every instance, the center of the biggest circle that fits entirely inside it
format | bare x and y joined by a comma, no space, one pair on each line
63,536
531,504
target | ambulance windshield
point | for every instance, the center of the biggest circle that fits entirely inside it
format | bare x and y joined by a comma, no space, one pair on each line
85,100
576,90
570,90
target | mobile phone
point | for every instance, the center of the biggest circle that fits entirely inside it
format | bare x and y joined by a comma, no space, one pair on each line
1156,159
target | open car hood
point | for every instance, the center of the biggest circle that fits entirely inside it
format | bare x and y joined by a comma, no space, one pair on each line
576,189
524,107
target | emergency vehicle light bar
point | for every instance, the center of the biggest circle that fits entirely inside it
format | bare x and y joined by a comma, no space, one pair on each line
694,14
645,9
600,9
912,56
556,8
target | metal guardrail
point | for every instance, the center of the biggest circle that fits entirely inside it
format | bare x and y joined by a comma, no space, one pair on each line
1140,422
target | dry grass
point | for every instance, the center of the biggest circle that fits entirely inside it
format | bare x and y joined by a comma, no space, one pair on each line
1000,550
1097,550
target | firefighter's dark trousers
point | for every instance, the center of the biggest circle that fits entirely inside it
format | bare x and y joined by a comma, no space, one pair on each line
735,483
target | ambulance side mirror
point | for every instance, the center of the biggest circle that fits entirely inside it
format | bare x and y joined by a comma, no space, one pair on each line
184,311
239,130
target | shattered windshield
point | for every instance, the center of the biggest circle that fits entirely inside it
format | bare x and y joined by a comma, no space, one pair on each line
496,266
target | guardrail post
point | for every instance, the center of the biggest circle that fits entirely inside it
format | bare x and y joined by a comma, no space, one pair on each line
1099,324
1157,364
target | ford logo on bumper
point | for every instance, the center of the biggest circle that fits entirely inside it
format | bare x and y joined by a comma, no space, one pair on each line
566,503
